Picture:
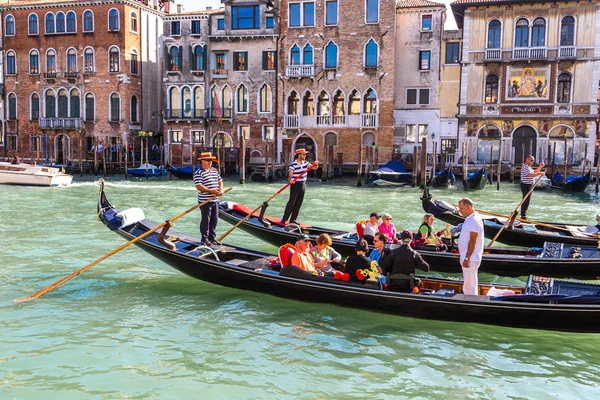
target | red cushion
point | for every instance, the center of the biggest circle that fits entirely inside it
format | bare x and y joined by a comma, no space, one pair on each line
360,228
242,209
285,254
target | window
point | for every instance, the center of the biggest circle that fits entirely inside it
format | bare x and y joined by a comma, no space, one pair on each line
175,28
488,135
294,15
323,106
35,107
415,133
49,23
491,89
63,104
35,144
242,99
424,60
331,12
51,61
174,101
60,22
71,60
196,27
134,109
88,21
176,136
567,31
563,91
33,24
134,22
494,31
265,99
113,60
331,51
270,22
269,60
426,22
339,107
522,33
198,137
11,63
308,104
307,55
50,104
301,14
244,132
293,104
12,106
9,25
354,103
308,9
186,102
268,133
371,50
220,24
198,59
240,61
198,101
71,22
295,55
226,96
538,33
370,102
219,64
113,19
115,108
417,96
371,11
88,61
134,62
75,105
245,17
452,52
11,142
90,107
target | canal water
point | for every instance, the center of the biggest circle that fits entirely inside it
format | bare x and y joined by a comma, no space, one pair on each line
132,327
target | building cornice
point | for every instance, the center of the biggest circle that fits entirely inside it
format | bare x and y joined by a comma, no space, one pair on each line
59,5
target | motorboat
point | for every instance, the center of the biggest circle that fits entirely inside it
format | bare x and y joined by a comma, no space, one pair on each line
33,175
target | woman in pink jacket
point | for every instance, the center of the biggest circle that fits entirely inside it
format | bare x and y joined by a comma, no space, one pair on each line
388,228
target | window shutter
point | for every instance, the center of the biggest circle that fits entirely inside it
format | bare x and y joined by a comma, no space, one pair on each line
75,107
264,60
213,61
180,58
275,61
203,66
226,61
236,64
167,58
192,58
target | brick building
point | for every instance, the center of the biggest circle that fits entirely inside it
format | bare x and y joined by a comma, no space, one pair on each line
337,68
73,75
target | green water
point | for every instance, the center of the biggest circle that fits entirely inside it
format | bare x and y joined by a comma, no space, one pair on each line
133,328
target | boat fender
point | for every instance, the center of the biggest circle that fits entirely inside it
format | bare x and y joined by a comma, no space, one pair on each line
446,206
130,216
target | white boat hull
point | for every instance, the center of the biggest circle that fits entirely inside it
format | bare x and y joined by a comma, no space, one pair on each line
32,175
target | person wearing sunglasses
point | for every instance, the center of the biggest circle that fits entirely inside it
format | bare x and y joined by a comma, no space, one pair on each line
379,241
388,228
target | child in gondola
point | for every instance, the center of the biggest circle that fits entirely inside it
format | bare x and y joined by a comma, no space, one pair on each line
324,255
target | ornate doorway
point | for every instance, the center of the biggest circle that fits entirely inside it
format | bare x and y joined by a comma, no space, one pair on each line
524,142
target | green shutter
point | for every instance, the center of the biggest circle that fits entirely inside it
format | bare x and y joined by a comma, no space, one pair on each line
63,107
50,107
192,58
264,60
204,49
75,107
236,64
180,58
167,58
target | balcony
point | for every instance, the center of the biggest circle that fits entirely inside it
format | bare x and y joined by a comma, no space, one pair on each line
291,121
71,74
493,54
368,121
177,114
60,123
225,113
567,52
300,71
50,76
339,120
323,119
526,53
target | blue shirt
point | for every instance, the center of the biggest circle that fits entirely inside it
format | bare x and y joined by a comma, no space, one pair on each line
375,255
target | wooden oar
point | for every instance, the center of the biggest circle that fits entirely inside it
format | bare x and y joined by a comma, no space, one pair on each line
56,284
511,220
266,201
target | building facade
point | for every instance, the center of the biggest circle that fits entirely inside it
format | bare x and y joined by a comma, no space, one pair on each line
528,83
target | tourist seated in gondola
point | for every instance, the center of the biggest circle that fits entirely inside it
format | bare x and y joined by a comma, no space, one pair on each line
426,236
372,226
379,252
401,264
358,261
388,228
302,257
324,255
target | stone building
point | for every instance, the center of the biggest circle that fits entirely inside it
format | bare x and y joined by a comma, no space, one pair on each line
73,75
448,94
337,78
529,75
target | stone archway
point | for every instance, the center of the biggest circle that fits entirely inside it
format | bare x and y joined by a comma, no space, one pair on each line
524,142
62,149
307,143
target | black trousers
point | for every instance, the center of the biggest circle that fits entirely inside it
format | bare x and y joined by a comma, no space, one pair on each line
292,208
208,223
525,188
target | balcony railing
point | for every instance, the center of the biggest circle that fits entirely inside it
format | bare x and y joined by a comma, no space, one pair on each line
71,74
537,52
60,123
300,71
51,75
493,54
567,52
291,121
219,73
211,113
323,119
339,119
174,113
368,120
526,53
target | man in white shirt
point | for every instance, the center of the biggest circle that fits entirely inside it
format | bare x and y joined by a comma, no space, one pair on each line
470,245
372,227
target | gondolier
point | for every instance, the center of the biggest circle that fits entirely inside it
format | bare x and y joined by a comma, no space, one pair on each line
208,183
528,176
297,189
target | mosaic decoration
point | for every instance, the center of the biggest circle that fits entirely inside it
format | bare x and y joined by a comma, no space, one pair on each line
527,83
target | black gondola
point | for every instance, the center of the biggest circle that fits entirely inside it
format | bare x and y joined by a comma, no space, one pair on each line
521,234
477,180
443,180
573,184
558,306
393,171
186,172
553,259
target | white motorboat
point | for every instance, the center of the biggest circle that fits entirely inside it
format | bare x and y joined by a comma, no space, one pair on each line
33,175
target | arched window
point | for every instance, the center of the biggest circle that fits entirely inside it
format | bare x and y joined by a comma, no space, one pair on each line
198,101
307,55
558,136
49,23
174,58
494,32
331,53
265,98
538,33
199,63
74,104
567,31
88,21
88,61
308,105
34,62
371,50
51,61
9,25
488,135
60,22
50,104
33,24
339,108
113,19
491,89
295,55
133,64
71,22
354,103
174,101
214,99
12,106
226,96
242,99
115,107
35,107
134,22
134,109
323,106
71,60
331,139
563,89
293,104
370,102
522,33
63,104
186,102
90,107
113,60
11,63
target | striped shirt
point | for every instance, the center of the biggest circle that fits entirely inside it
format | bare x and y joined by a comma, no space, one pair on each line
209,179
526,170
298,169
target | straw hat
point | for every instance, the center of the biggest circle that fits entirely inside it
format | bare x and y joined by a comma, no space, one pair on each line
207,156
301,151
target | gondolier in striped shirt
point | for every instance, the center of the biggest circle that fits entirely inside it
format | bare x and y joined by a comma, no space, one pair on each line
528,176
297,189
208,183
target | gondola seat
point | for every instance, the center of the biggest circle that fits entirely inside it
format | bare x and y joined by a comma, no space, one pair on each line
360,228
285,254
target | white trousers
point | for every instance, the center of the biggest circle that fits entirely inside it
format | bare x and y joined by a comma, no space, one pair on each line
470,278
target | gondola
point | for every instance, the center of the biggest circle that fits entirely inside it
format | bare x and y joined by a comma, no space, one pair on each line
573,184
542,304
186,172
477,180
147,169
552,259
522,234
443,179
393,171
